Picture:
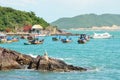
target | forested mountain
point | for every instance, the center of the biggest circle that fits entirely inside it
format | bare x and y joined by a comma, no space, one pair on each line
11,18
87,21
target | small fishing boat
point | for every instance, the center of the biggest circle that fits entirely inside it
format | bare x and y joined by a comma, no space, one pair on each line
27,43
30,37
7,39
34,42
12,39
83,38
101,35
66,40
38,42
81,41
56,38
15,40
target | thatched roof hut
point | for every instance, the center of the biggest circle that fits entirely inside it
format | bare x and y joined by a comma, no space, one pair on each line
37,27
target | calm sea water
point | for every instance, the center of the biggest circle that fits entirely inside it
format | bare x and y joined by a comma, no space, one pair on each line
100,56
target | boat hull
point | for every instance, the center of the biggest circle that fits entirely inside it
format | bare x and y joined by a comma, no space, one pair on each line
81,41
102,35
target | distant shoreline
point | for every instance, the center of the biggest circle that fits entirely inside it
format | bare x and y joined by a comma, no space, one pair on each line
114,27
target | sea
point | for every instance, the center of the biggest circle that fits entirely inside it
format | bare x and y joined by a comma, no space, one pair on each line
100,56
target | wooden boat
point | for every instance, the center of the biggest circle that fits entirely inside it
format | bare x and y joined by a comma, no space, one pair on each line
38,42
83,38
81,41
34,42
66,40
15,40
27,43
30,38
55,39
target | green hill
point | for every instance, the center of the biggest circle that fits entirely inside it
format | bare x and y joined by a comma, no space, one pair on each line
11,18
87,21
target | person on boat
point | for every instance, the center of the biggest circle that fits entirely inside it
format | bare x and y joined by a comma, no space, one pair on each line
81,36
36,40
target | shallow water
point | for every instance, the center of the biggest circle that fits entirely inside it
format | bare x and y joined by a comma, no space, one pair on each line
100,56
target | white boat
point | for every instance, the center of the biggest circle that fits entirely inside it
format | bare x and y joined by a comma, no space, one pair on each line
102,35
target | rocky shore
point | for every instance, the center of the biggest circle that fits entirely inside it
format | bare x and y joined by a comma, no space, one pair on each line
10,59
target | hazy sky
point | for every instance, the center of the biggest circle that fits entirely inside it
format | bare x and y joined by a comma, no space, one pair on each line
51,10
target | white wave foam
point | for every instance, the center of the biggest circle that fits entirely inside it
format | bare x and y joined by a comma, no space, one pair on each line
97,69
60,58
33,55
68,58
65,58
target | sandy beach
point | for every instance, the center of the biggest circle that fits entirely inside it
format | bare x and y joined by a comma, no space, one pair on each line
114,27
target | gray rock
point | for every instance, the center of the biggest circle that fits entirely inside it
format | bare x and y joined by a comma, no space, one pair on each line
13,60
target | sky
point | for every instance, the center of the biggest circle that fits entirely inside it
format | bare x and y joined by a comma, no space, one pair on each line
51,10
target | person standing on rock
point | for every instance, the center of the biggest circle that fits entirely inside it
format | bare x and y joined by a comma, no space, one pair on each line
46,56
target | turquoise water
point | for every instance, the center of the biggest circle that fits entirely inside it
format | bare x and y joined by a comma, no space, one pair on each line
100,56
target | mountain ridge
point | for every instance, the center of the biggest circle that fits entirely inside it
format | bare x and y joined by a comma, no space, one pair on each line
88,21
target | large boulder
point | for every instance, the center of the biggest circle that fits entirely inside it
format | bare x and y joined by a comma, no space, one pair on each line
13,60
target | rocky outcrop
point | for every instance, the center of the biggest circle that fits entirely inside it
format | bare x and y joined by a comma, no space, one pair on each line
13,60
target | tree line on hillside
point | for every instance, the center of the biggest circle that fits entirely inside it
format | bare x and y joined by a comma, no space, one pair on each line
11,19
88,21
